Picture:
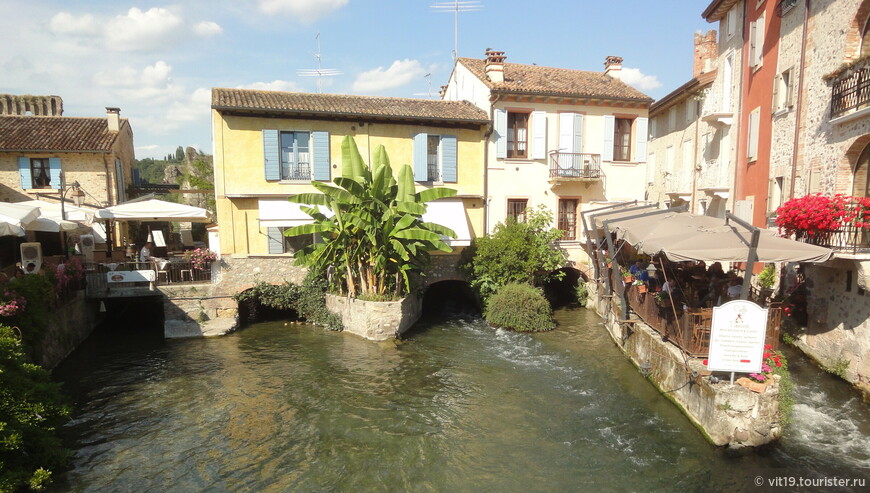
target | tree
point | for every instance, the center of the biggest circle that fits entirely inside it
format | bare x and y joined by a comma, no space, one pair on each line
375,237
517,252
179,154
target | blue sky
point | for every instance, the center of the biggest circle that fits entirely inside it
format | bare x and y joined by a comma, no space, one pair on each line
159,61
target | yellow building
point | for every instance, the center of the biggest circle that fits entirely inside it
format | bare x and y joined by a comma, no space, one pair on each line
271,145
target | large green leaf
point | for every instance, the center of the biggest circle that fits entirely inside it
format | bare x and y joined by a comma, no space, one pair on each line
339,195
431,194
309,198
405,193
411,208
403,222
352,164
380,158
307,229
443,230
354,187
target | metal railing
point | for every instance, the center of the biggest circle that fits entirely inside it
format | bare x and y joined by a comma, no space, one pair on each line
301,171
690,329
174,272
850,91
847,239
575,165
432,172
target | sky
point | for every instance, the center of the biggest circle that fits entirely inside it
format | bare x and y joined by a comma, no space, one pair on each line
159,61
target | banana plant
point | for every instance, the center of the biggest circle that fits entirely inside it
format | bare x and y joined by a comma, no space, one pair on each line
375,237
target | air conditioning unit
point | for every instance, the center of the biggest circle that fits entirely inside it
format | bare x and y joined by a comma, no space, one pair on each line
86,245
31,257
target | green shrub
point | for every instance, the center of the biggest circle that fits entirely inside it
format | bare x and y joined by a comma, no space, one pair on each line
767,277
518,252
34,320
519,307
581,292
307,300
31,408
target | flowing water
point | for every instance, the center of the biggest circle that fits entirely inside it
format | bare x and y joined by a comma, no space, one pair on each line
456,406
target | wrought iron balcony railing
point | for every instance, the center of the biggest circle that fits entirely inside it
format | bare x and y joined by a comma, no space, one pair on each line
850,91
575,165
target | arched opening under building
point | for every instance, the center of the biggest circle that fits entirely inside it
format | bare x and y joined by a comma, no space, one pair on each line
253,311
448,299
563,292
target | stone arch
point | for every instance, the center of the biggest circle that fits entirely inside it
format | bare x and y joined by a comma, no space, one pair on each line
561,292
449,297
858,37
849,164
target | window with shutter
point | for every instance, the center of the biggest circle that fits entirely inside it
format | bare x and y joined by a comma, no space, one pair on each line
539,135
517,134
500,117
607,148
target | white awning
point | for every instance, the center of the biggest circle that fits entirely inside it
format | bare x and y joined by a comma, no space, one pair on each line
450,213
278,213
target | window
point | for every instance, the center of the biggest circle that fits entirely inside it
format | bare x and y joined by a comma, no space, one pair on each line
775,194
516,208
731,23
653,128
756,42
782,91
690,110
861,178
278,243
39,173
295,156
568,218
517,134
727,83
433,163
435,158
752,141
865,39
672,119
622,140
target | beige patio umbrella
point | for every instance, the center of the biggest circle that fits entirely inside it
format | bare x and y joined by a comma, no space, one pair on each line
15,217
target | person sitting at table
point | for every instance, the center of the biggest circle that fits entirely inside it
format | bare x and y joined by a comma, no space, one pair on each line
715,270
636,269
145,252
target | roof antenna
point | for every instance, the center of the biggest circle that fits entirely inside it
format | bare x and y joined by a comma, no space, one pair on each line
457,6
318,72
429,82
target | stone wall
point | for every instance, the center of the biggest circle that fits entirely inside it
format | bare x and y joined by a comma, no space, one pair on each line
838,331
375,320
73,323
727,414
235,274
197,311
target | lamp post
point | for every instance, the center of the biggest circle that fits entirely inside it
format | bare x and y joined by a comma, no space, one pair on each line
78,195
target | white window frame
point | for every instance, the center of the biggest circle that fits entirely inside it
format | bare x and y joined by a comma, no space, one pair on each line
672,119
756,42
752,135
731,23
783,87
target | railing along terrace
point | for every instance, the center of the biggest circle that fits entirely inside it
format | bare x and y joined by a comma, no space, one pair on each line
690,329
171,272
850,91
298,172
575,165
848,238
432,172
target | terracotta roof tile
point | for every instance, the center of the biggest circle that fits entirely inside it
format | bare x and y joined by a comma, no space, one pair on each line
55,133
298,103
551,81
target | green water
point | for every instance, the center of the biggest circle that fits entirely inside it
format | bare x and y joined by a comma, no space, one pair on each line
456,406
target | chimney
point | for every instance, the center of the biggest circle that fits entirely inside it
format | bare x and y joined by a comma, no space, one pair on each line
442,91
113,116
494,68
612,64
706,51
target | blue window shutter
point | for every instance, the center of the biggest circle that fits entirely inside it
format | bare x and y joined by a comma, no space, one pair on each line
271,155
54,172
578,132
640,133
539,135
320,156
448,158
24,172
500,134
421,173
607,150
276,240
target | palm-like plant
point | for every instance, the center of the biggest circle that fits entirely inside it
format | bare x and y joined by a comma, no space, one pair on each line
375,237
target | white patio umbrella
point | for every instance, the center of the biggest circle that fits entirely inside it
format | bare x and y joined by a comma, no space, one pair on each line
153,210
15,217
51,218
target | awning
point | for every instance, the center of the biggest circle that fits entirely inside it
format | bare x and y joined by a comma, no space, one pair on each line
14,217
683,236
277,213
450,213
51,217
154,210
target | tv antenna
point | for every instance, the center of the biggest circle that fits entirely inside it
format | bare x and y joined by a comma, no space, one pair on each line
457,6
318,72
429,82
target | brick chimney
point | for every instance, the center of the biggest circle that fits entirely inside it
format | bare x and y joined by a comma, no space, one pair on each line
442,91
612,65
706,52
494,68
113,116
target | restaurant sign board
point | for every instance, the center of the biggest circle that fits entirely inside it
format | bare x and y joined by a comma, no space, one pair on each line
737,337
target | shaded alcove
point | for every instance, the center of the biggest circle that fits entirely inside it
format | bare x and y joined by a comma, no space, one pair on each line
563,292
252,311
447,299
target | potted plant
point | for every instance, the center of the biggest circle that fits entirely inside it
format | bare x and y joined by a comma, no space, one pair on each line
662,299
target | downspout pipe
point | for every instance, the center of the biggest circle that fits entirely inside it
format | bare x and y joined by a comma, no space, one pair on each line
798,101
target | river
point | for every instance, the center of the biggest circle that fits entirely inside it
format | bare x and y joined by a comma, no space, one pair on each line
456,406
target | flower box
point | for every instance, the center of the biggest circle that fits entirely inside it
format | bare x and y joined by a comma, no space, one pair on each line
641,288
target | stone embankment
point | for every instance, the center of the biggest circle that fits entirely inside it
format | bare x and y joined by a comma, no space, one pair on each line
727,414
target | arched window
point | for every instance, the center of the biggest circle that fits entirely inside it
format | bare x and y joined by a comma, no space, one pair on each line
865,39
861,178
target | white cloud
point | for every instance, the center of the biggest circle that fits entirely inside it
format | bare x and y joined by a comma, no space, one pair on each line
637,79
152,83
66,23
304,10
275,85
401,72
207,28
138,30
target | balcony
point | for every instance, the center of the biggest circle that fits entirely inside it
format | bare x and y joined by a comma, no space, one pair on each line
574,166
848,239
850,91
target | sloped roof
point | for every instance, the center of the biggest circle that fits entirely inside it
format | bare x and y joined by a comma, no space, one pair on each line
56,133
683,92
551,81
337,105
717,10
